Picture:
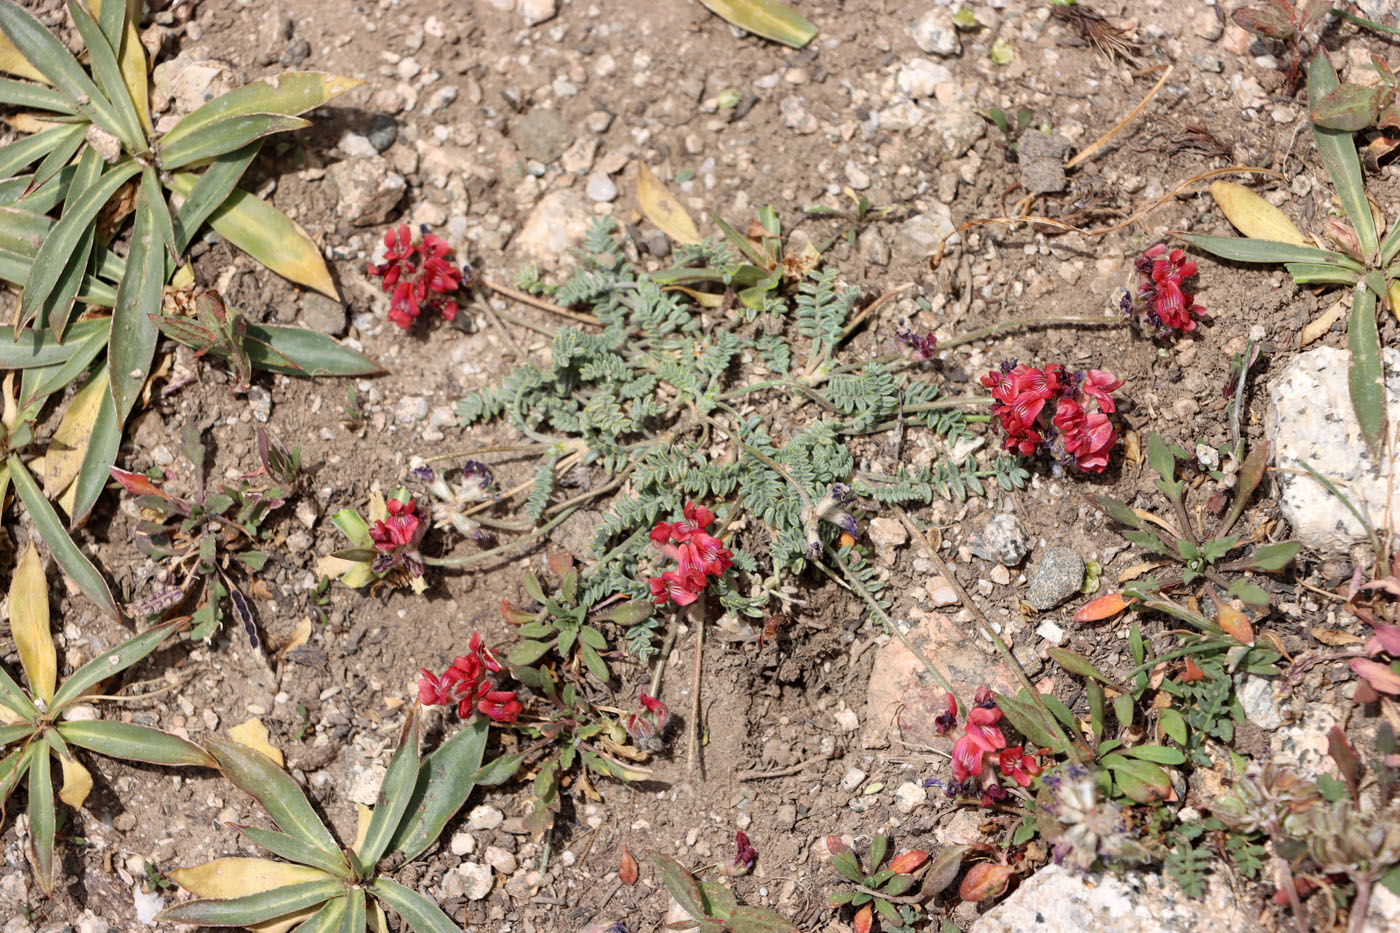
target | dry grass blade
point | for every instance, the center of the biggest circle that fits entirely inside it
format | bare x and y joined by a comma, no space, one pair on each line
1103,140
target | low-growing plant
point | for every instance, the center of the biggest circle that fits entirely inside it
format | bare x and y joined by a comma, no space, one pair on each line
201,540
318,881
39,724
559,624
1359,258
880,888
384,549
1295,26
1010,127
711,905
100,161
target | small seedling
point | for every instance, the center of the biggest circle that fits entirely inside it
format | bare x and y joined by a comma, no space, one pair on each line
1010,127
334,887
1296,26
560,624
203,540
881,889
712,906
36,728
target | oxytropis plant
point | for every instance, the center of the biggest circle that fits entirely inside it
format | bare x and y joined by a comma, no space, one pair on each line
1056,413
419,275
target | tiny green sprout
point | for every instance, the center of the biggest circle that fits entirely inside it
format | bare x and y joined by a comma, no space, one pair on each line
330,886
1001,53
45,721
965,18
728,99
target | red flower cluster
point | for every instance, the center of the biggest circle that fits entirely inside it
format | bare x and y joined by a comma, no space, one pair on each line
416,275
467,682
648,720
397,537
1046,409
1161,307
699,556
983,737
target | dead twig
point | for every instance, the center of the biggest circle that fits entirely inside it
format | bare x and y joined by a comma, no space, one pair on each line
780,772
1093,148
526,298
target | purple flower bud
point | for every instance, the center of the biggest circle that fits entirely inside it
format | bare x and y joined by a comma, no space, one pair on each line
424,474
846,523
839,492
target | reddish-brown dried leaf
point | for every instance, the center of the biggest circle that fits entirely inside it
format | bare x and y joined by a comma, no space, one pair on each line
908,862
863,919
1231,621
627,868
1105,607
1379,676
1193,672
513,614
561,562
983,881
136,483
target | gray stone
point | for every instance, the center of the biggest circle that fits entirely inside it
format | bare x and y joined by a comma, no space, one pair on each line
1303,744
1003,540
542,135
558,223
188,81
1256,695
935,33
369,189
295,52
920,236
534,12
919,77
356,145
796,116
323,314
274,29
260,404
1310,420
1058,577
476,880
383,131
499,859
1042,160
411,409
852,778
959,125
872,247
600,188
1056,900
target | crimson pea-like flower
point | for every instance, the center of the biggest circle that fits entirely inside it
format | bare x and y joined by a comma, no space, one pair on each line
699,556
1016,766
468,684
1055,412
745,855
946,722
980,738
1160,306
418,275
396,537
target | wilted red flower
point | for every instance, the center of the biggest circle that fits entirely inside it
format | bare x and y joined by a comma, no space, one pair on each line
745,854
948,721
1161,307
648,720
416,275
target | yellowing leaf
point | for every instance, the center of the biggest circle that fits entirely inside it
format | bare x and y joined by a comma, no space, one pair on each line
1253,216
708,300
283,924
64,457
30,122
363,815
12,62
1233,622
1392,292
77,783
237,876
1323,323
378,510
300,635
132,59
253,734
378,923
29,624
662,209
767,18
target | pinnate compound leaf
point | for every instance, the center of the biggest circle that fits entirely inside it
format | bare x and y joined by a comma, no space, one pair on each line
767,18
266,234
1253,216
134,743
29,624
255,908
51,529
680,883
422,915
445,780
278,793
112,662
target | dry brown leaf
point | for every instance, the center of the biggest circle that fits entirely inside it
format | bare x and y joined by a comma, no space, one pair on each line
1335,637
627,868
662,208
253,734
1316,328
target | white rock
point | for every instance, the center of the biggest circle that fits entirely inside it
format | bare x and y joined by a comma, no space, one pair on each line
356,145
1310,420
500,859
935,33
147,906
1056,900
463,843
847,720
1303,744
485,816
941,592
908,796
852,778
558,223
1384,913
534,12
476,880
919,77
1051,632
1256,695
600,188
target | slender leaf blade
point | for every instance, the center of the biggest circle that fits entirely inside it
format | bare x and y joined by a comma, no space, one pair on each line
400,779
767,18
227,135
38,348
279,795
58,65
113,662
153,196
134,743
296,850
29,624
1365,373
291,93
51,529
207,191
134,331
422,915
443,784
98,459
1243,249
296,351
61,156
102,57
254,908
1338,152
42,819
26,151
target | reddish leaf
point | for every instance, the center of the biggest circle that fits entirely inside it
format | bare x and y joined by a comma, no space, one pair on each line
984,880
136,483
863,919
1106,606
560,562
1385,639
1193,672
1233,622
627,868
1270,24
1301,884
908,862
1340,748
1390,584
1379,676
513,614
836,846
943,869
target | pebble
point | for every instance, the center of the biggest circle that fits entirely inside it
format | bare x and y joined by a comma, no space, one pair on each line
600,188
1058,577
162,456
439,99
534,12
847,720
260,404
941,592
935,33
323,314
499,859
920,77
909,796
578,158
796,116
485,816
858,177
1000,575
1051,632
887,534
408,68
598,121
852,778
356,145
1003,540
411,408
382,132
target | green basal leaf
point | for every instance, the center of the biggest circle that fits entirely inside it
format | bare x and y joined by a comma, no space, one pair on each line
498,771
102,58
51,529
19,730
39,348
61,156
1271,557
394,794
1174,725
134,743
1338,152
354,920
204,195
1156,753
443,784
296,351
879,846
134,331
1028,721
421,914
255,774
1242,249
14,767
1123,710
57,64
747,919
767,18
295,850
42,819
15,699
1118,511
254,908
719,901
1076,663
289,93
1308,273
112,662
101,455
679,883
26,96
527,652
153,197
26,151
1365,374
329,919
225,136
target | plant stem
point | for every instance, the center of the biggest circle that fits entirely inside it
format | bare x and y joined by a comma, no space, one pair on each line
993,329
534,302
482,556
1066,745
